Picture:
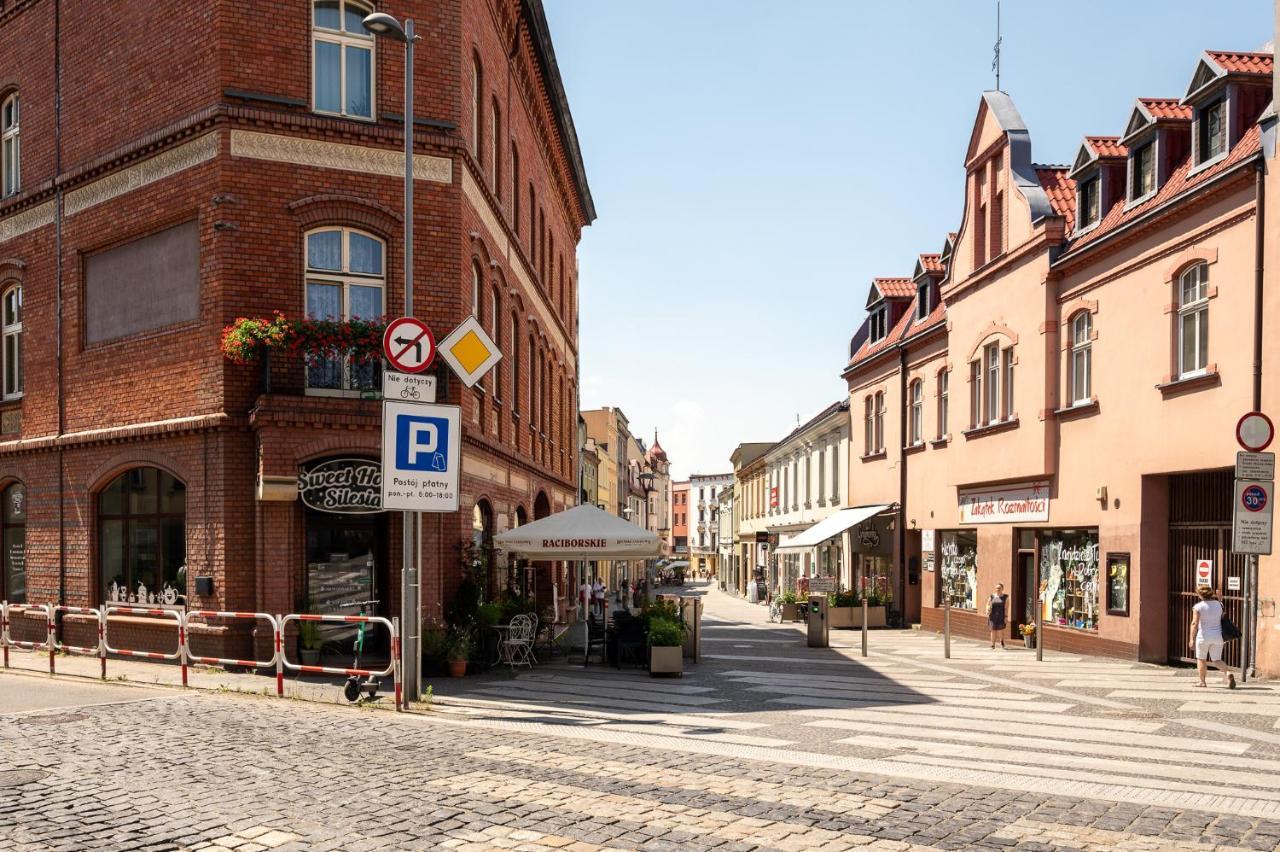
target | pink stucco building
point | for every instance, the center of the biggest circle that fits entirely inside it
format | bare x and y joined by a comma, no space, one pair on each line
1051,399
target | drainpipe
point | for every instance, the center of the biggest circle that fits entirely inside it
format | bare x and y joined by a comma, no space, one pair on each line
900,594
1249,657
57,325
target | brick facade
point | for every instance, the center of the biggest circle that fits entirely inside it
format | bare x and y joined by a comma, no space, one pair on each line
231,143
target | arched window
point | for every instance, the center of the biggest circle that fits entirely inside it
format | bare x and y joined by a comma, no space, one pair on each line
342,59
11,331
142,529
495,146
477,108
345,281
917,413
1193,321
1082,358
482,540
9,146
13,532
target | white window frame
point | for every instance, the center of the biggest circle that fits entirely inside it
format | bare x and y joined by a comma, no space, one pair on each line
879,421
1006,384
346,279
991,366
1194,308
1203,157
1083,223
879,323
345,39
944,382
917,412
869,441
1081,371
923,308
10,146
11,331
1135,172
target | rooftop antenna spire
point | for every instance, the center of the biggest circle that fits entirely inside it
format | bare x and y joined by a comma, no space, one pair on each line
995,60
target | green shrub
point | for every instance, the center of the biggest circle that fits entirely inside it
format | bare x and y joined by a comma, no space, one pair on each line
665,633
457,645
846,597
789,597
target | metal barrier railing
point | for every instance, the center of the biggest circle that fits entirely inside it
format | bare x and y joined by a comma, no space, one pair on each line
183,654
204,614
98,650
179,655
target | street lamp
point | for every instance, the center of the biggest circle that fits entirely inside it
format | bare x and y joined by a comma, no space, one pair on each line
646,484
385,26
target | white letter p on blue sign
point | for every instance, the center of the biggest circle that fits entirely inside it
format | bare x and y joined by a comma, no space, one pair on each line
422,443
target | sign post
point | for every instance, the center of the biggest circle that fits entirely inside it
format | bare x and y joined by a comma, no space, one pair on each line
1251,508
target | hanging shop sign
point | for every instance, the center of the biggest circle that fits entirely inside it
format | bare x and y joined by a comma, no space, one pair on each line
342,486
1020,503
926,549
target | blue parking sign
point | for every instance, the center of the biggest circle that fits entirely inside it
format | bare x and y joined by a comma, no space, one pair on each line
421,446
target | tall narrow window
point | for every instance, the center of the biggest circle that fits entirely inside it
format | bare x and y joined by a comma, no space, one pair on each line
494,323
1143,165
533,228
515,366
1089,202
992,355
1006,407
975,393
477,109
13,538
345,281
869,435
1082,358
11,311
923,305
1193,321
142,537
997,224
944,379
342,59
9,143
879,421
917,413
979,217
1213,131
515,190
495,146
835,475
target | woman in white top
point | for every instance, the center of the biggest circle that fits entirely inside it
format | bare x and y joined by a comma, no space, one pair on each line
1206,630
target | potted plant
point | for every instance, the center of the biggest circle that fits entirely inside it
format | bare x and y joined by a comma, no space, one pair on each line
790,610
1028,632
666,646
457,652
844,609
309,642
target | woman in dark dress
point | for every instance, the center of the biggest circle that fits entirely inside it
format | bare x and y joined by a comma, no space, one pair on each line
997,604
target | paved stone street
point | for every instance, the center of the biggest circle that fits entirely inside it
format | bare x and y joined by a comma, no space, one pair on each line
765,744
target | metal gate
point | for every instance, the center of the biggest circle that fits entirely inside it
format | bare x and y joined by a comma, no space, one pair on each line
1200,528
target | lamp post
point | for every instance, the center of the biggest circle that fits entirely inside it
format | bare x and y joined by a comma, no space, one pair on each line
385,26
646,484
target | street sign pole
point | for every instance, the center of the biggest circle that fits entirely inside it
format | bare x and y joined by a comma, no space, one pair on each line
410,606
1254,433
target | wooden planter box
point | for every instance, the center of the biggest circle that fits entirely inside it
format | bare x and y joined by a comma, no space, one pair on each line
851,616
790,612
666,660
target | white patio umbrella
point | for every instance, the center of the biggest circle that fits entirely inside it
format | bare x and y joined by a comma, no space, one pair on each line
583,532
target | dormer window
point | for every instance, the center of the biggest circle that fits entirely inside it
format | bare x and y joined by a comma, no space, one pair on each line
923,307
879,323
1211,131
1089,202
1142,171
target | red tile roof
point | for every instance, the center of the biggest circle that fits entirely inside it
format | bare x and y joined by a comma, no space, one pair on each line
1234,62
931,262
1061,190
905,328
1107,146
1179,181
895,288
1166,108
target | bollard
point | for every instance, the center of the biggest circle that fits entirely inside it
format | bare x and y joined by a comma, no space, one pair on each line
396,668
4,630
53,639
279,641
946,627
102,641
865,610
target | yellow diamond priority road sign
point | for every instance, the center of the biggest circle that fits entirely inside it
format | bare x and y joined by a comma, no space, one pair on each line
469,351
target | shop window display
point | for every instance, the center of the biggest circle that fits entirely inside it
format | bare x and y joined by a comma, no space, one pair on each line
960,569
1069,574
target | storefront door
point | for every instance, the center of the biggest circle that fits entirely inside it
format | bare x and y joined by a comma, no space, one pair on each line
1022,603
347,574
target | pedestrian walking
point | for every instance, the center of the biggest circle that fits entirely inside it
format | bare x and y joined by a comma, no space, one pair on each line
997,605
1206,628
597,595
584,597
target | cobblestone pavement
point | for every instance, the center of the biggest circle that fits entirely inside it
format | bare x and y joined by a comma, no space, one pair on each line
765,744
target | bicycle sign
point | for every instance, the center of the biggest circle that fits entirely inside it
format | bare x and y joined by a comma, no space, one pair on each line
408,387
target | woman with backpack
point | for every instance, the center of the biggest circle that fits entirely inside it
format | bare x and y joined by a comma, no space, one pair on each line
1207,636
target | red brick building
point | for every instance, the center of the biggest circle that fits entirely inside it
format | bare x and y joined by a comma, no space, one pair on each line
164,178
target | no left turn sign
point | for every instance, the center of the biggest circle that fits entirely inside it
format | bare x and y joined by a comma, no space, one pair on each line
408,345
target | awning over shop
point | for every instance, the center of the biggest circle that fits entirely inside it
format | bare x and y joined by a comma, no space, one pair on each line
832,526
583,532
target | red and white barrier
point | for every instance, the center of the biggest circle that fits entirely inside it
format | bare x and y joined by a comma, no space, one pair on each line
9,642
389,671
205,614
98,650
180,655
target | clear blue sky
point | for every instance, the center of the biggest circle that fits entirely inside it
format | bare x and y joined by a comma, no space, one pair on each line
754,164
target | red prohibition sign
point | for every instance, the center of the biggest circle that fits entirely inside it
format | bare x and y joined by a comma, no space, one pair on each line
408,345
1254,498
1254,431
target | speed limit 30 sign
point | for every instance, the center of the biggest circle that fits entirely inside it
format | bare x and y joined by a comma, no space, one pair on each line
1251,517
